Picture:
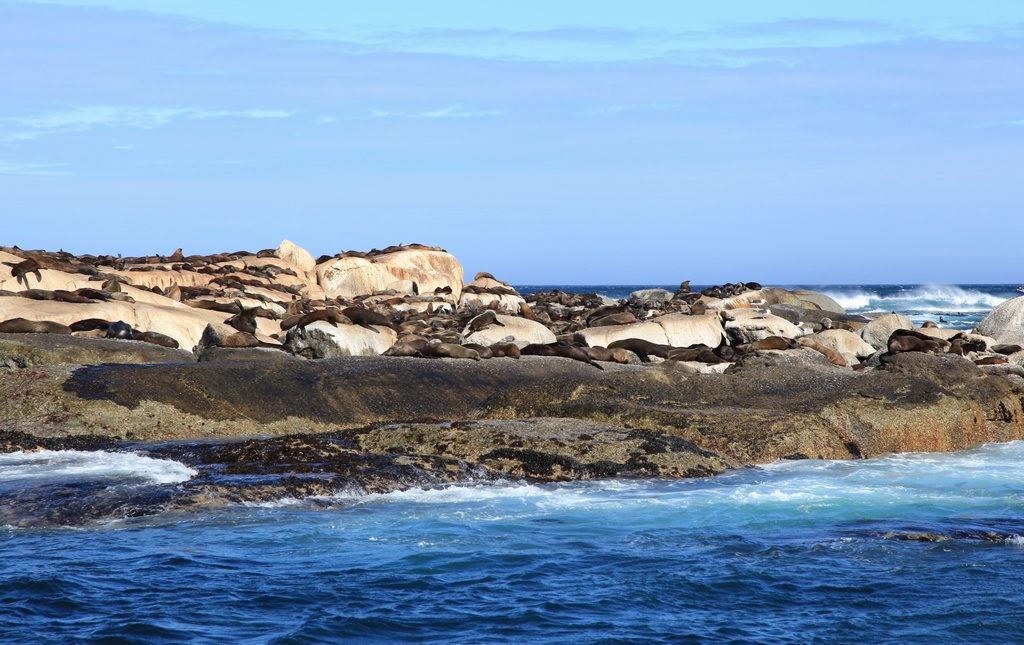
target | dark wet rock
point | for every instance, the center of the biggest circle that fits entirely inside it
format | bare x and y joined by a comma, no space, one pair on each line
23,350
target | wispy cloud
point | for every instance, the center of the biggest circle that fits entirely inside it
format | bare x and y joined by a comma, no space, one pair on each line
94,116
15,168
450,112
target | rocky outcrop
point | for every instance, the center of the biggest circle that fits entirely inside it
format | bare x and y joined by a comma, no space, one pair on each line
751,325
324,340
518,331
876,333
1005,323
347,277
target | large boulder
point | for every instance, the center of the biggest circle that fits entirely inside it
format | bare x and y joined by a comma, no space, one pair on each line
323,340
876,333
819,300
1005,323
348,277
651,298
848,344
683,330
752,325
184,324
296,255
602,336
519,331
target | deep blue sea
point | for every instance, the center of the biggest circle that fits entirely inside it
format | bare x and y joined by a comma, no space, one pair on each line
911,548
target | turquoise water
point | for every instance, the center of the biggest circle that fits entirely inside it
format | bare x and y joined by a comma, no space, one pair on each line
907,548
804,551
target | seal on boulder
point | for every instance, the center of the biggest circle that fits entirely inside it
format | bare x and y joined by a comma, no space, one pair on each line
24,326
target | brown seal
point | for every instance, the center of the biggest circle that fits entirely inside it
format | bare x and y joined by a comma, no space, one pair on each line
450,350
695,354
771,342
482,350
991,360
365,318
24,326
408,347
245,320
330,314
607,355
484,320
90,324
908,340
622,318
642,348
833,357
509,350
157,338
21,270
563,351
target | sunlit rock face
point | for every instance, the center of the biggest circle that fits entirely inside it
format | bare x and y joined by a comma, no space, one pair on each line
1005,323
348,277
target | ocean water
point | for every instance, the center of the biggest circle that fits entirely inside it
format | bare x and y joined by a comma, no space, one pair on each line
912,548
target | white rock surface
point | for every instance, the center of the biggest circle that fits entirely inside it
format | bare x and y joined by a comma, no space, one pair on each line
876,333
519,331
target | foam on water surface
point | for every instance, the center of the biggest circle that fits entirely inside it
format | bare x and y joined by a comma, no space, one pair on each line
75,465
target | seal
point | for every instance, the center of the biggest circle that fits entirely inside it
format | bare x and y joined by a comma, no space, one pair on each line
156,338
623,318
483,321
695,354
509,350
642,348
90,324
771,342
21,270
24,326
562,351
450,350
408,347
482,350
908,340
365,318
120,329
330,314
245,320
991,360
606,355
833,357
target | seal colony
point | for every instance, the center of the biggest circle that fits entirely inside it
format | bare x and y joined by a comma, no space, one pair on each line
411,300
432,369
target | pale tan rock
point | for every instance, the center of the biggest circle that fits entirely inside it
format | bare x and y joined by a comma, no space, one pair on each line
519,331
876,333
752,325
683,330
353,276
477,301
296,255
602,336
1005,322
847,344
323,340
818,300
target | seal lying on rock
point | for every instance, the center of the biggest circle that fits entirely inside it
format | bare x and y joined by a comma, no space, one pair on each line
563,351
908,340
642,348
23,326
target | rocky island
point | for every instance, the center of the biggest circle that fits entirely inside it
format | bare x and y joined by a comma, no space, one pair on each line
275,374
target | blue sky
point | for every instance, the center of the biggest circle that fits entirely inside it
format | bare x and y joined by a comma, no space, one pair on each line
586,143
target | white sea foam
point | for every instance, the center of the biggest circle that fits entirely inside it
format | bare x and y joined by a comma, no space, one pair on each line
77,465
937,298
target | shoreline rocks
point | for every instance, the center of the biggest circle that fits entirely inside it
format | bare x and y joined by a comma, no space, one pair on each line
697,382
